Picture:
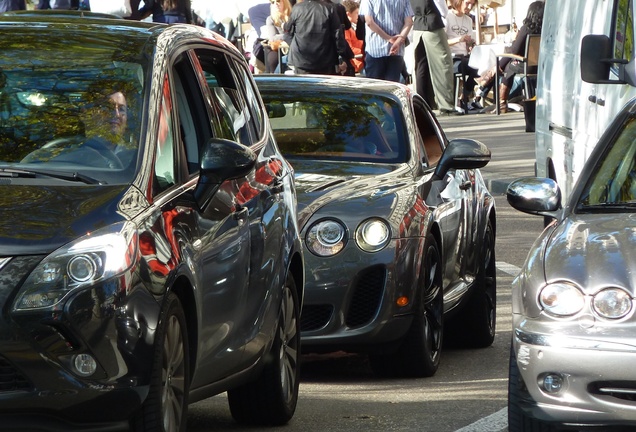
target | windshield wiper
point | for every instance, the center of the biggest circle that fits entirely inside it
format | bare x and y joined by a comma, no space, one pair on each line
74,176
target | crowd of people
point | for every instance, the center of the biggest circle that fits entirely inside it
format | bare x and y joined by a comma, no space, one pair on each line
369,37
364,37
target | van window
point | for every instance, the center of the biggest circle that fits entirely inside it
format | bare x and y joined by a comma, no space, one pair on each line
624,32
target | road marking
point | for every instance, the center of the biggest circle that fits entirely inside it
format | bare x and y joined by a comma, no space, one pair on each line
497,422
512,270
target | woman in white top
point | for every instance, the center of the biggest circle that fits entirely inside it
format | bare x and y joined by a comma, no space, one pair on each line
461,39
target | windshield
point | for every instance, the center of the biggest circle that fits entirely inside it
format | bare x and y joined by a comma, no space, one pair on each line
340,127
613,180
69,106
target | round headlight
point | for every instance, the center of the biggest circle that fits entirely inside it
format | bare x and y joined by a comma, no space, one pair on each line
373,235
612,303
82,268
326,238
561,299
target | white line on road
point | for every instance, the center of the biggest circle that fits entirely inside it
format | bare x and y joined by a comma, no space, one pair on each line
512,270
497,422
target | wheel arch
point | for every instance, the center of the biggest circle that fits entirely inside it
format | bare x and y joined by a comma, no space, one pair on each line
184,290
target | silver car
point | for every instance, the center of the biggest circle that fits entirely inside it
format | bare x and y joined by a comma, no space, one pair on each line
574,326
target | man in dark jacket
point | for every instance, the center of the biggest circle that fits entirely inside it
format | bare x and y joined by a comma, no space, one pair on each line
11,5
318,45
433,59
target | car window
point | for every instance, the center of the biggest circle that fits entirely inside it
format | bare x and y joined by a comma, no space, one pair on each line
337,126
164,159
623,32
253,101
613,180
430,140
78,111
235,114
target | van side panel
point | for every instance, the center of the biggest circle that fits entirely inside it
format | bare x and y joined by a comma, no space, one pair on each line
567,126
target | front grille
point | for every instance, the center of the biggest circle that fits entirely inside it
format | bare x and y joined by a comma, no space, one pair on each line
367,295
11,379
624,390
315,317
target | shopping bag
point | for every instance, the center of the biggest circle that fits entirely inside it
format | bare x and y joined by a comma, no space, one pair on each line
121,8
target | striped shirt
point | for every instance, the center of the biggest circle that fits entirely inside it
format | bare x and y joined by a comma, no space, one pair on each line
389,15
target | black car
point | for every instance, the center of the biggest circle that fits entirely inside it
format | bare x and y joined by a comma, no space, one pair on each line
398,225
149,250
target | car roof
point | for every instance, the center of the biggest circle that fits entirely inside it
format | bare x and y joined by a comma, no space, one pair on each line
330,83
65,23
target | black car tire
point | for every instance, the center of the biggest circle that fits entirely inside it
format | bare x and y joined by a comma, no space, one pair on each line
166,407
475,326
271,399
419,353
518,421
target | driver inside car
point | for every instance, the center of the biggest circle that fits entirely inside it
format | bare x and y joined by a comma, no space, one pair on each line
106,142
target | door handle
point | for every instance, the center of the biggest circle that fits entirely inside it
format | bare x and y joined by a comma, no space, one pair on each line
278,186
239,212
466,185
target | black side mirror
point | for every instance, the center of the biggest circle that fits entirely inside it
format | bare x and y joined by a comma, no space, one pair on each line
462,153
221,160
596,59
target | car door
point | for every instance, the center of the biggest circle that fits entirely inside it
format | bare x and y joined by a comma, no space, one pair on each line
260,195
451,197
215,239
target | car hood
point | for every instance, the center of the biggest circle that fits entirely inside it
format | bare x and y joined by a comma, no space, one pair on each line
358,185
39,219
594,251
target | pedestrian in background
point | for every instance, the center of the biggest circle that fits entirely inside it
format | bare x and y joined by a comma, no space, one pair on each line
318,45
167,11
11,5
388,23
56,4
433,59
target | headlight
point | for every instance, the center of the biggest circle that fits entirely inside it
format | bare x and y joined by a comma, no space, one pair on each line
561,299
84,262
326,237
373,235
612,303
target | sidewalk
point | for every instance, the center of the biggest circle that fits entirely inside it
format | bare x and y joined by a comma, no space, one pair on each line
511,146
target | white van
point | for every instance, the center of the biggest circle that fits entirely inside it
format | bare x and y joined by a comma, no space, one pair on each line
583,81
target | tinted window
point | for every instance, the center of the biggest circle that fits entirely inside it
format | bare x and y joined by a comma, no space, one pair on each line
624,31
70,106
234,114
336,126
614,178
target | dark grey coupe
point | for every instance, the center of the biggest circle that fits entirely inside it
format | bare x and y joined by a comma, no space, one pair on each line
398,226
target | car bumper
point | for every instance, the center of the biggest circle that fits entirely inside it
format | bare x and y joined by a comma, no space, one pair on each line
351,299
599,384
39,384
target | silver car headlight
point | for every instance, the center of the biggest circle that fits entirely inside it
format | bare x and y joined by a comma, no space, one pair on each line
373,235
561,299
90,259
612,303
326,237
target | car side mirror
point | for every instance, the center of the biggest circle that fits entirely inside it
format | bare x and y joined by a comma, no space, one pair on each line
221,160
535,195
596,60
462,153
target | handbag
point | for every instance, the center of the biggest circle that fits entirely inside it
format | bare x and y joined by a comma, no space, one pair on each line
120,8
